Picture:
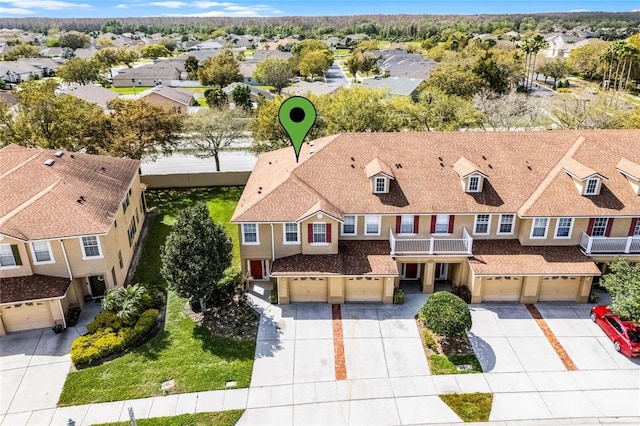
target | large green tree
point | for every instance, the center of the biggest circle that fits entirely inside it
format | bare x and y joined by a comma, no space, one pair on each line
48,119
138,129
212,130
315,63
79,70
221,70
154,51
623,283
455,79
586,60
73,40
274,72
22,50
195,255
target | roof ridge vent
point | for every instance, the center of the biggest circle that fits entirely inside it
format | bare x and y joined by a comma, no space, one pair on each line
58,154
49,162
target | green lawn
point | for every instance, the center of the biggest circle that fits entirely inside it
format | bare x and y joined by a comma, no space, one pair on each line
471,407
182,351
441,364
220,418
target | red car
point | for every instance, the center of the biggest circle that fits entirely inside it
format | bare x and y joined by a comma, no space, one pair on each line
625,335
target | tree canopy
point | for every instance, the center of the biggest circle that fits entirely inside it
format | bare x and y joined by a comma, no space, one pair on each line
73,40
195,255
274,72
221,70
623,284
79,70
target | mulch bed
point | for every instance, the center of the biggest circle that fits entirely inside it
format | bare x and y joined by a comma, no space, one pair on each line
235,321
446,346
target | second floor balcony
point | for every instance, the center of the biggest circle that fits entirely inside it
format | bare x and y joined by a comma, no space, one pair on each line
431,246
610,245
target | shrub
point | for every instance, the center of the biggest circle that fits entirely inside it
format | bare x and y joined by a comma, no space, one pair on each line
463,292
428,340
563,90
127,302
593,296
398,296
103,320
446,314
273,297
107,340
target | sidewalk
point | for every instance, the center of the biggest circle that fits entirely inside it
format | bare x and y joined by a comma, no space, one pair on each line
570,397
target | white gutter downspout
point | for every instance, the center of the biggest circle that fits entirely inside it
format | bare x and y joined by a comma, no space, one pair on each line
273,250
66,260
64,322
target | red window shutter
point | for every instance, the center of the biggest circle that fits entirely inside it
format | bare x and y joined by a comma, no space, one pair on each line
590,227
634,222
433,224
398,224
451,218
310,232
607,232
328,230
416,224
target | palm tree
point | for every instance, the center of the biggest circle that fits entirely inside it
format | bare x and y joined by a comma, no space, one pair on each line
634,53
607,57
531,46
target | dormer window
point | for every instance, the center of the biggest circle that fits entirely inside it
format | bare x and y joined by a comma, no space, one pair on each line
591,188
470,175
379,173
380,185
586,180
474,184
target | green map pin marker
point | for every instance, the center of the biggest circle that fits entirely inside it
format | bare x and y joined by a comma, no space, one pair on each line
297,115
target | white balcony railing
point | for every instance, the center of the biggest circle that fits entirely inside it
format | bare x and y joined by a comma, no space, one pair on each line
611,245
427,246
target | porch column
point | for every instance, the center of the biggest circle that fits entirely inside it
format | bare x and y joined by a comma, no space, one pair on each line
283,291
476,289
584,290
428,277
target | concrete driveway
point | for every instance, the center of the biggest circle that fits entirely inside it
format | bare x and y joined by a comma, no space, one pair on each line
34,366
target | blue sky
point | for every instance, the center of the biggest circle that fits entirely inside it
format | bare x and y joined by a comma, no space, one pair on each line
125,8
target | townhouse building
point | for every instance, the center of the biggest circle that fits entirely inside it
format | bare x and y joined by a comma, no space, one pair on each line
514,216
69,224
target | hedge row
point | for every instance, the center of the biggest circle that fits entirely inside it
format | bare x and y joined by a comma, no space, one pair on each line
107,336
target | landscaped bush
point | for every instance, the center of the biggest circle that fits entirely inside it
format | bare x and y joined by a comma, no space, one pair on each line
106,319
446,314
108,340
398,296
463,292
273,297
127,302
428,340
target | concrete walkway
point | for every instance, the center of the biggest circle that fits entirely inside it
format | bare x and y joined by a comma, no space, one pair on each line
296,398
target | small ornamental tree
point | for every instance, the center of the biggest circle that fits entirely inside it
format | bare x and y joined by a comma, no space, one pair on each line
195,255
623,284
446,314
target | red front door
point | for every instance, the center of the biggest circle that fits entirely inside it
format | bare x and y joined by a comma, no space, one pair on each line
411,271
256,269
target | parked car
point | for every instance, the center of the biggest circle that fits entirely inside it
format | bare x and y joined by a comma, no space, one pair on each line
625,335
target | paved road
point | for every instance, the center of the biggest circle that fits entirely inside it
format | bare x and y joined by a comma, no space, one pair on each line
335,75
188,163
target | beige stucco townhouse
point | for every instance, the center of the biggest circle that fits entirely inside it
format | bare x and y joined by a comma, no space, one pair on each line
69,224
522,216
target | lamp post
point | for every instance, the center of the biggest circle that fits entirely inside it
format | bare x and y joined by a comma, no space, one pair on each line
133,84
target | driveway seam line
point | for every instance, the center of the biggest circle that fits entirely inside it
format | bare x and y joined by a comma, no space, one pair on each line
551,338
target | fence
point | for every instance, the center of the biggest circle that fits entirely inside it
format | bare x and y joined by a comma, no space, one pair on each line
192,180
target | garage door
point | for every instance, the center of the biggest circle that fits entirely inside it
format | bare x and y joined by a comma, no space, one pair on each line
26,316
559,289
308,289
501,289
363,289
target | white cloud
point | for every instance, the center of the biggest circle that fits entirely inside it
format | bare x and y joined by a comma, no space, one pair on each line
122,6
636,10
209,4
580,10
169,4
15,11
50,4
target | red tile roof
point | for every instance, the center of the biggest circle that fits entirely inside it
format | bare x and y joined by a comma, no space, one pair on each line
353,258
32,287
40,201
509,257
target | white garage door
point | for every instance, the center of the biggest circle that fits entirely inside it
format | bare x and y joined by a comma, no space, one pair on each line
363,289
26,316
308,289
501,289
559,289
